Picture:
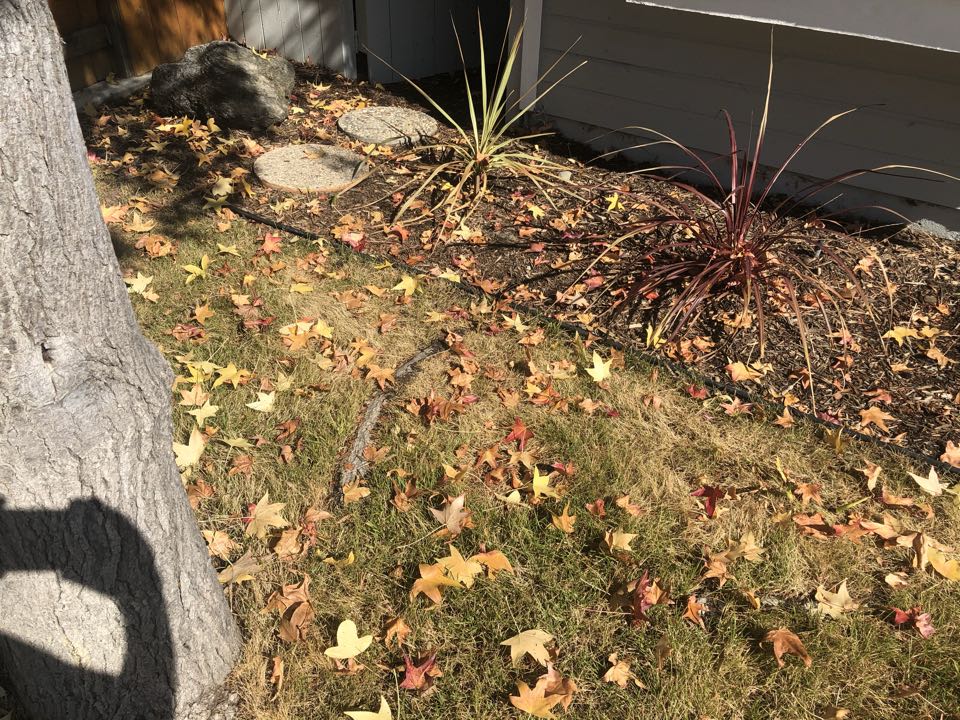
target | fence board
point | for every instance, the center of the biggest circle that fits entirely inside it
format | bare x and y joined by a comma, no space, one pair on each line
272,25
311,31
234,21
252,24
292,47
376,38
170,34
414,35
348,38
411,27
87,52
143,38
331,27
200,21
68,15
127,37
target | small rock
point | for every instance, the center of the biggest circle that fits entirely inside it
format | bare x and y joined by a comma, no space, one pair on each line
310,168
386,125
226,81
929,227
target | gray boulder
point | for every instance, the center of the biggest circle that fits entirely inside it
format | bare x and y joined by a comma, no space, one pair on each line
225,81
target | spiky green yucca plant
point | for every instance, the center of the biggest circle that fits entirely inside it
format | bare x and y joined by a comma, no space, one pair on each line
484,146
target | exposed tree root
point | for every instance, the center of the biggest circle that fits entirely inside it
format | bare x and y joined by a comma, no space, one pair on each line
353,465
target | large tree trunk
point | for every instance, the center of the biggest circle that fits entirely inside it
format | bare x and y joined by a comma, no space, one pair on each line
109,608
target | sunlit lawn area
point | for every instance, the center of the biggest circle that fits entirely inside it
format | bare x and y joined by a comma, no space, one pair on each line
636,519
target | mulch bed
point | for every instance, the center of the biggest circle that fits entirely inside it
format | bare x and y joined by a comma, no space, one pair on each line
519,248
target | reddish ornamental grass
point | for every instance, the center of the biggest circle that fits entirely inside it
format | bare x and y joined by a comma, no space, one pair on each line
723,236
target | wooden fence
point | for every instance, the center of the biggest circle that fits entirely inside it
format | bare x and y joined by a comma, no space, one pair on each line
316,31
414,36
130,37
417,36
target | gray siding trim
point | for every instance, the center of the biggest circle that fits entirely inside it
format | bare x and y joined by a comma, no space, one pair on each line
924,23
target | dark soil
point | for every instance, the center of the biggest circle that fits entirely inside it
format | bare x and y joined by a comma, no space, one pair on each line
522,247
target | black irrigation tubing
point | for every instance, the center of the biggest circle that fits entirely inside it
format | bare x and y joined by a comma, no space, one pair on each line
655,359
272,223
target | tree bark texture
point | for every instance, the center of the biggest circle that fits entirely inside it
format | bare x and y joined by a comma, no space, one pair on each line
109,607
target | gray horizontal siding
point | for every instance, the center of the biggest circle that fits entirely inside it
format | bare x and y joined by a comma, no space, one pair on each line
674,71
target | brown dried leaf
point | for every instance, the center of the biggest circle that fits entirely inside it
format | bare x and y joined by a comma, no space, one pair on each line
619,672
564,521
453,515
396,632
494,561
276,676
432,578
785,642
242,570
219,544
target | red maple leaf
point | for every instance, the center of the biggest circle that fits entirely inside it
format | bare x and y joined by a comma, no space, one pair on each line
519,433
922,621
419,676
646,594
271,244
356,240
598,508
901,616
640,602
711,496
399,232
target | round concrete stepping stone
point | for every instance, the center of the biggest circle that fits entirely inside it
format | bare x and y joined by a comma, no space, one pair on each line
386,125
311,168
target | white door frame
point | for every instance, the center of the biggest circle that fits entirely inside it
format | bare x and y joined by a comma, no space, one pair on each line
530,12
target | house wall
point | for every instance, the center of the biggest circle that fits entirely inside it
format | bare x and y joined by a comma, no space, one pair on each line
926,23
674,71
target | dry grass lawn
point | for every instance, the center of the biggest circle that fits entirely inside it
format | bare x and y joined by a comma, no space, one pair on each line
646,438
